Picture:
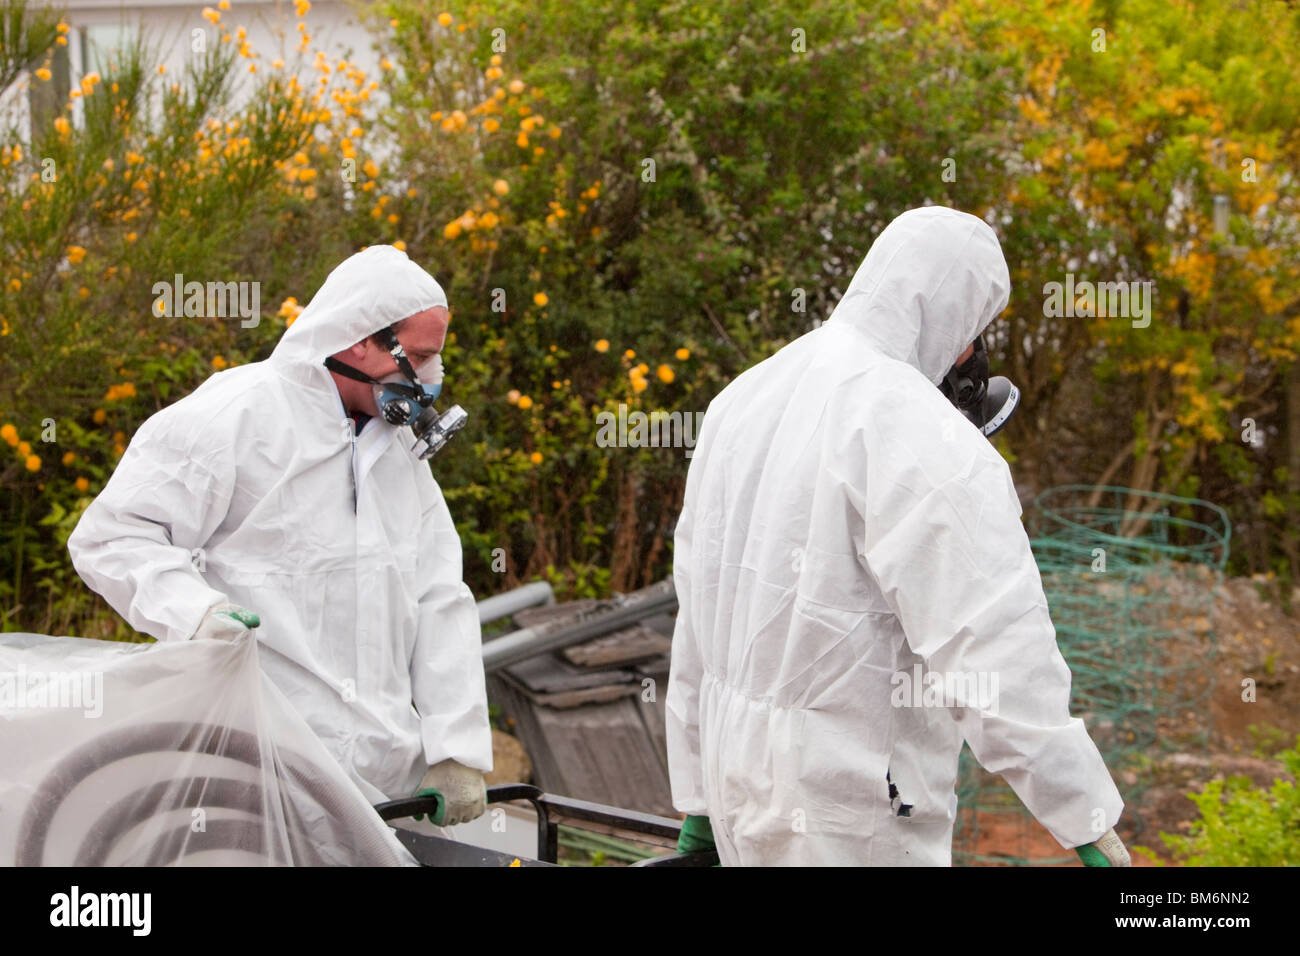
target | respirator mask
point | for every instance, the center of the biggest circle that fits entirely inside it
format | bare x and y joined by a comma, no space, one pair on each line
988,403
406,397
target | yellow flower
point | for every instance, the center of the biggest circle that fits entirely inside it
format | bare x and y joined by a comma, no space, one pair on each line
24,448
629,354
301,7
76,254
535,458
516,87
99,416
33,463
130,237
444,19
452,229
683,354
223,5
211,15
638,385
491,125
82,485
69,457
9,433
219,362
119,450
554,132
400,244
602,345
43,74
501,187
62,126
521,140
539,298
15,285
665,374
512,396
119,437
525,402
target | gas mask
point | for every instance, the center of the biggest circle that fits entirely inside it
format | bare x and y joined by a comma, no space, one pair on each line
406,397
987,403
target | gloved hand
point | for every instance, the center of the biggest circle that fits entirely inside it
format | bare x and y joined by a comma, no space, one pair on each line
226,622
461,791
1108,851
697,834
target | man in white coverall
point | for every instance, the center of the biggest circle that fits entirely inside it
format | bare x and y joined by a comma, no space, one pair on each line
274,491
843,522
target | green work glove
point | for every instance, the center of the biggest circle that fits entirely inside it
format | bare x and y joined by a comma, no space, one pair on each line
696,835
1108,851
226,622
461,793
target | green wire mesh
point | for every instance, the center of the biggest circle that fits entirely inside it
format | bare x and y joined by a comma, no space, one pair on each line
1129,577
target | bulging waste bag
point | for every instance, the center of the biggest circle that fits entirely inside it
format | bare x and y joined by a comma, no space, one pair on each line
165,754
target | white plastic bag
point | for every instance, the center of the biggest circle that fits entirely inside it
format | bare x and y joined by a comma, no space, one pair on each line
165,754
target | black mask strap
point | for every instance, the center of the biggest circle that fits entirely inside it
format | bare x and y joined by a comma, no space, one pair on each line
389,338
347,371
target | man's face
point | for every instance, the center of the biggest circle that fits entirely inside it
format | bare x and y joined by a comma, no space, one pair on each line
422,336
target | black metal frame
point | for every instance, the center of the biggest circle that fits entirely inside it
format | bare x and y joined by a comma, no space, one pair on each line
551,810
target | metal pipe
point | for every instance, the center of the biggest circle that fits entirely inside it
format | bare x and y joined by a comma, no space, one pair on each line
622,611
503,605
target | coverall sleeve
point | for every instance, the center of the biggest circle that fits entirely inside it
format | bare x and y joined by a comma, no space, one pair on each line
139,542
448,686
682,711
954,563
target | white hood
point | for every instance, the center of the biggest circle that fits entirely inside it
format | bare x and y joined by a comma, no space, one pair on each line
366,292
913,295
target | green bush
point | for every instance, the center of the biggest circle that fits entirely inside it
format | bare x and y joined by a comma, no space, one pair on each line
1241,824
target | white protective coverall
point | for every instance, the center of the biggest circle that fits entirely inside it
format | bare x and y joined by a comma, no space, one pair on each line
255,489
842,523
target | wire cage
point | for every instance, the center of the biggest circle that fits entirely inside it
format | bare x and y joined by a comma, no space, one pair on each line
1130,577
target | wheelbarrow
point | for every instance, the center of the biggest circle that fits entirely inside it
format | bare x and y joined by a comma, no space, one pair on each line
551,811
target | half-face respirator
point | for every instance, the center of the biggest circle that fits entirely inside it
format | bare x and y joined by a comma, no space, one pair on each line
987,403
406,397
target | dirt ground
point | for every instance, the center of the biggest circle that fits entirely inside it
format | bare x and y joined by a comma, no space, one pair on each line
1238,642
